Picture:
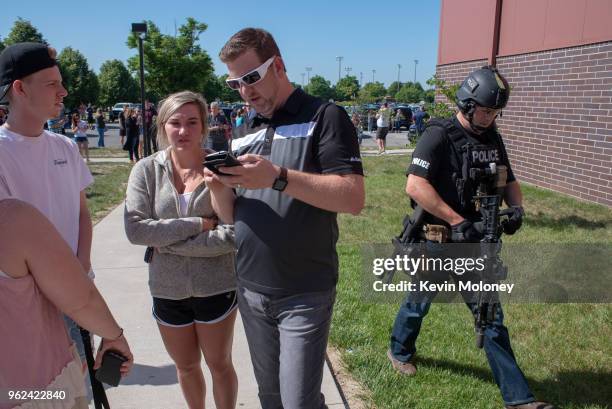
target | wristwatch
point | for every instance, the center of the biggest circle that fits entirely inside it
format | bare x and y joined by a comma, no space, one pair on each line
281,181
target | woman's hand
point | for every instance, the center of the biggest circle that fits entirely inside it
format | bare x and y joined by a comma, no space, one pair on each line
119,345
209,223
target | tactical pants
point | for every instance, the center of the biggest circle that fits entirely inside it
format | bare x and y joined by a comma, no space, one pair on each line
506,372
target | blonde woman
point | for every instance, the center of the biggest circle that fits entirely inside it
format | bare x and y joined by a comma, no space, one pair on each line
190,251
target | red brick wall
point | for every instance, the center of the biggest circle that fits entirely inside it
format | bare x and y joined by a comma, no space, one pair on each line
558,123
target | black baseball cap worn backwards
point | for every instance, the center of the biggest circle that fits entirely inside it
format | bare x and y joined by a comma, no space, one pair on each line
20,60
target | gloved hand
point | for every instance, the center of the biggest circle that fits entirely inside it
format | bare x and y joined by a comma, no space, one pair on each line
515,221
465,232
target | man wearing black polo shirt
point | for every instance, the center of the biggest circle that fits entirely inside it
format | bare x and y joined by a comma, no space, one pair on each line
297,173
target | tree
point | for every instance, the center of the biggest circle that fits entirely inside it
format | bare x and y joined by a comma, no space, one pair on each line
347,88
81,82
409,93
24,31
2,46
320,87
116,84
372,92
174,63
394,88
225,92
441,109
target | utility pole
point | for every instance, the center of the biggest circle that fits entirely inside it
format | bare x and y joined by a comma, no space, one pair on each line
360,78
415,64
308,69
399,67
348,70
339,59
373,72
303,74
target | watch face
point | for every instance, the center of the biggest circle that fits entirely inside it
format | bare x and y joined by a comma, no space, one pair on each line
279,185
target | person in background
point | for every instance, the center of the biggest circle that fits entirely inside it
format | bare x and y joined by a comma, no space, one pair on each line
90,116
398,120
420,118
40,278
132,131
358,128
383,119
79,129
122,130
100,127
218,124
191,268
149,114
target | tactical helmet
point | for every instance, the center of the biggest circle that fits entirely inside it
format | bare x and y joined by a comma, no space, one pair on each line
484,87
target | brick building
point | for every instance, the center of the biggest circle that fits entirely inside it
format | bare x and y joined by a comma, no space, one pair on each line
557,57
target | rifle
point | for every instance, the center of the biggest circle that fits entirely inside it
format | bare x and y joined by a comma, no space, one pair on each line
490,245
404,242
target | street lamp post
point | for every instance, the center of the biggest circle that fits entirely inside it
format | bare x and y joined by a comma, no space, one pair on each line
339,59
303,74
373,72
361,78
140,29
308,69
399,67
415,64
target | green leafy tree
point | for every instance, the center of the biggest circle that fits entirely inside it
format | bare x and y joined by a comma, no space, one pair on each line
225,92
174,63
372,92
394,88
442,109
409,93
24,31
117,84
320,87
347,88
430,96
2,46
80,82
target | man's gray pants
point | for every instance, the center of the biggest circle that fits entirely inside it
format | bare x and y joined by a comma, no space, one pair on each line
287,337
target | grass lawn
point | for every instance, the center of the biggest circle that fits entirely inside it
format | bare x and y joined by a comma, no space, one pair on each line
563,349
108,189
95,152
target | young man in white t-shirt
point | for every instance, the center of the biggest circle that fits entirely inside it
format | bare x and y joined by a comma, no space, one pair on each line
37,166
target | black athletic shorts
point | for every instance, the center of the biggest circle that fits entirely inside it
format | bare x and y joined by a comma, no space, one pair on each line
201,310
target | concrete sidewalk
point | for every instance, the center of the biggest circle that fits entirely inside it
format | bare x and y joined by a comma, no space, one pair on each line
121,277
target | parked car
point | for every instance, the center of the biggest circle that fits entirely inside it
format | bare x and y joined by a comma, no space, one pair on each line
406,120
113,115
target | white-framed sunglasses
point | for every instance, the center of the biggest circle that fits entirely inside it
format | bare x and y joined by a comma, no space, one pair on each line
251,77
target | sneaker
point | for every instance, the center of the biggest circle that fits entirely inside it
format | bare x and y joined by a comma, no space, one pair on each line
532,405
405,368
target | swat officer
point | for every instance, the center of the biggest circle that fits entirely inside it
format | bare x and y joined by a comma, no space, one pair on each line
440,183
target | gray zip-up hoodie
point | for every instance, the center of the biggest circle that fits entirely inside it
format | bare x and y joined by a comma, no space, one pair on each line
186,262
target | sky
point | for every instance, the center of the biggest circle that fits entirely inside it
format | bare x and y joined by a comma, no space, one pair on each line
368,35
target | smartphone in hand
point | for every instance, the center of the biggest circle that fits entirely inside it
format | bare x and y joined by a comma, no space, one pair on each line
223,158
110,370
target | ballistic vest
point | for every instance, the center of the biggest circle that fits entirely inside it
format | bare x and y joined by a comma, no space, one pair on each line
466,156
